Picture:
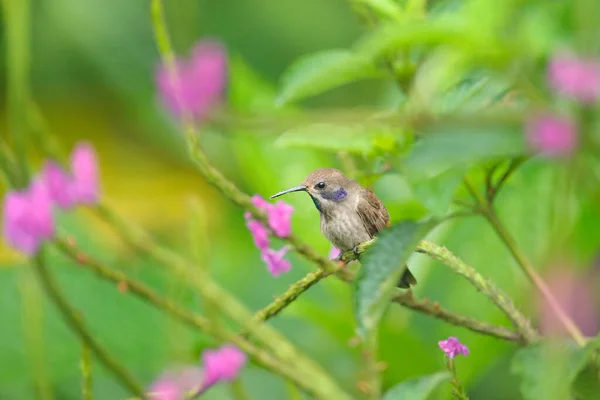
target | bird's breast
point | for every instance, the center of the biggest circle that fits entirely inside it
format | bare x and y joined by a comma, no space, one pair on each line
344,229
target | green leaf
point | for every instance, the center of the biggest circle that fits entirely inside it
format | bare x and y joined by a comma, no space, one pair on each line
437,192
357,139
381,268
322,71
548,369
384,8
392,37
438,151
587,384
416,388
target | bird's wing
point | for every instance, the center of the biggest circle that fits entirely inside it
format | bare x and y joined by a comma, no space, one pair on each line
372,212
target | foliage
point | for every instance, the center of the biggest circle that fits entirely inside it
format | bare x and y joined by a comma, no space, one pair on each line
437,97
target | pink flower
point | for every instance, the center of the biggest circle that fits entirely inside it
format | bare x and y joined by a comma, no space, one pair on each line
575,77
276,264
28,221
334,253
79,187
260,234
551,135
453,347
198,82
58,183
84,166
222,365
278,215
174,385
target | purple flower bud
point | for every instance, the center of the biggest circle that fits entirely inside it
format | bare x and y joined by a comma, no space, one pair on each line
453,347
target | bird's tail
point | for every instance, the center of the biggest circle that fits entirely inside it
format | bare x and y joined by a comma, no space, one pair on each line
407,280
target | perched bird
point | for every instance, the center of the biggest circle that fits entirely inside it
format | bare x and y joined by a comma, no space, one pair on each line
350,213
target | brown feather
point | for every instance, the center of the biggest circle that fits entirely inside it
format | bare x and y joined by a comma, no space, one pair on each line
372,212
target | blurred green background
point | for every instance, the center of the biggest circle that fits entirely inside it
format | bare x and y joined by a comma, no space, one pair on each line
92,73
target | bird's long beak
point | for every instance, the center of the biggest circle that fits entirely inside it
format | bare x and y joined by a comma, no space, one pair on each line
298,188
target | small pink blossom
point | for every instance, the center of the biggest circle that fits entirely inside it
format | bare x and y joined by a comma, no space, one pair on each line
59,185
198,83
222,365
575,77
175,384
551,135
334,253
260,234
84,166
28,220
81,185
453,347
278,215
276,264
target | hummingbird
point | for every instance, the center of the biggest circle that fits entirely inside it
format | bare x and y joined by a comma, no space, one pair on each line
350,213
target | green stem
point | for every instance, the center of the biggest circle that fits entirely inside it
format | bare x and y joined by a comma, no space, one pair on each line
238,391
77,326
487,210
86,373
370,350
458,391
405,298
168,306
534,277
485,286
17,33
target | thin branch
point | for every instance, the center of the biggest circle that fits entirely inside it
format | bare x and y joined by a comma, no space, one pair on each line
490,214
485,286
514,164
526,334
86,373
434,310
262,357
534,277
74,321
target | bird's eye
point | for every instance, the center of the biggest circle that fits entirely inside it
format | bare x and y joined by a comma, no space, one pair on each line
320,185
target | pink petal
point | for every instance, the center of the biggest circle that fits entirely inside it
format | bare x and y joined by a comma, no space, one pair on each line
84,165
575,77
198,83
59,185
279,216
261,203
14,225
276,264
334,253
551,135
40,211
223,364
453,347
175,384
260,234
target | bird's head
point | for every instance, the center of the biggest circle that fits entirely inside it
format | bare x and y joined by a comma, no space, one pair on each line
326,186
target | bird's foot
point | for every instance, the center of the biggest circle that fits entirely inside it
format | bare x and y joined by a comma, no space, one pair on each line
355,251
